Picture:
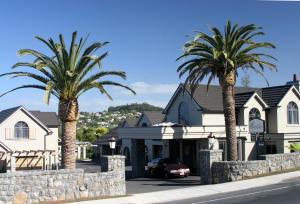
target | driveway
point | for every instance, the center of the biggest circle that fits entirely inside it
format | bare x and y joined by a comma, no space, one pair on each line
145,185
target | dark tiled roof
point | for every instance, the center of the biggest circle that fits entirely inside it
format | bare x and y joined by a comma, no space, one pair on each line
242,98
105,138
211,100
131,121
155,117
50,119
273,95
4,114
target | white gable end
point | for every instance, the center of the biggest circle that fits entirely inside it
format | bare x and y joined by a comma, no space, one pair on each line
37,134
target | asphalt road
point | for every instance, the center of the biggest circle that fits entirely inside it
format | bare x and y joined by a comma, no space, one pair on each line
287,192
144,185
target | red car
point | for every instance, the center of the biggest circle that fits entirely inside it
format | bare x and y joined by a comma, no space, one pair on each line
167,167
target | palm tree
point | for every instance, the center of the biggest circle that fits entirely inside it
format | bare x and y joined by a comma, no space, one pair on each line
66,75
221,56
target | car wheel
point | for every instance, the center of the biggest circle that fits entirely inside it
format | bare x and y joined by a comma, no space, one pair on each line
166,175
151,172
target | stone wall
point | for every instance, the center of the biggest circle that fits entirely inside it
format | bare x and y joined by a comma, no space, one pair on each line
54,185
225,171
278,162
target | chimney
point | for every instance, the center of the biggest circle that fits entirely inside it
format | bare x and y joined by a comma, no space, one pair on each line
295,77
295,82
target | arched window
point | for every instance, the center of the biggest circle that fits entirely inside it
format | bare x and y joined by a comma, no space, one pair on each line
254,113
183,114
21,130
144,124
292,113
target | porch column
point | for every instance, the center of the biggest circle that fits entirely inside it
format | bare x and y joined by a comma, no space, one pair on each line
78,152
84,152
10,163
138,157
207,157
56,162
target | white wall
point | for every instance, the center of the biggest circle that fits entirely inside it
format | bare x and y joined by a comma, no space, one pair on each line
213,119
253,103
272,120
37,134
195,115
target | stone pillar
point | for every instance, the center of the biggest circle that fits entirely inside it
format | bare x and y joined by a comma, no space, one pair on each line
112,163
84,153
78,152
138,157
207,157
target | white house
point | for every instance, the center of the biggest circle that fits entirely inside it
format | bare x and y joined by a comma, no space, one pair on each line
200,122
30,137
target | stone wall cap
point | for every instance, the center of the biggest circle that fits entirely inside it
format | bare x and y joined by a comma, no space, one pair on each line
211,150
114,156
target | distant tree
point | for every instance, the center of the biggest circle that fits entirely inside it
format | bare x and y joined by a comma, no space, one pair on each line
245,80
90,134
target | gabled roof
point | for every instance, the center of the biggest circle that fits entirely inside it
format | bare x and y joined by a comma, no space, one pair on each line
273,95
5,114
130,121
154,117
48,118
211,100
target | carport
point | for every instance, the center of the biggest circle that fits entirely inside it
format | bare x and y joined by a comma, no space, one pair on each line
198,135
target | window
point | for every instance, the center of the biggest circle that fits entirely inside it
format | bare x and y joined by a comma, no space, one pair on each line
21,130
144,124
292,113
254,113
183,114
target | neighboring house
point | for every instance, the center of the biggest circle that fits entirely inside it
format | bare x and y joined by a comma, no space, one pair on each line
201,117
153,147
28,135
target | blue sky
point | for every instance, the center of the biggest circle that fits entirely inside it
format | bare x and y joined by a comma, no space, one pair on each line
146,37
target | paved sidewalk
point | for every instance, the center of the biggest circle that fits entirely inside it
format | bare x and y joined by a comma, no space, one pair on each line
194,192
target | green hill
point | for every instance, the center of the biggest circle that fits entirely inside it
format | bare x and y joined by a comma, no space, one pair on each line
134,107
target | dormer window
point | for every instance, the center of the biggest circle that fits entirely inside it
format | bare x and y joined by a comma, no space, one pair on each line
292,113
254,113
183,114
21,130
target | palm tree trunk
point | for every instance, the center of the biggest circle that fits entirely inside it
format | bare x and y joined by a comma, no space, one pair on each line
230,121
68,114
